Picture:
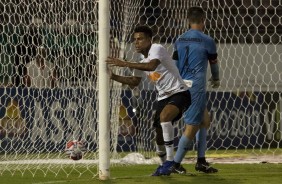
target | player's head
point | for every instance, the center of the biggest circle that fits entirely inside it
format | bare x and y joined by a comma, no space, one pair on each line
196,16
143,39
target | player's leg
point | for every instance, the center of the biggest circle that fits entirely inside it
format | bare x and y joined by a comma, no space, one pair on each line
167,115
192,118
176,104
169,110
160,147
201,139
185,144
164,137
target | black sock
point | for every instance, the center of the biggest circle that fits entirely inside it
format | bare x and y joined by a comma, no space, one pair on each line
176,164
201,160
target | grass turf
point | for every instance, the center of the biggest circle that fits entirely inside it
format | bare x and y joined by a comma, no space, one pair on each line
228,173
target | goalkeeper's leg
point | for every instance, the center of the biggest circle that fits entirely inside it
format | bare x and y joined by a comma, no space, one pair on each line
201,139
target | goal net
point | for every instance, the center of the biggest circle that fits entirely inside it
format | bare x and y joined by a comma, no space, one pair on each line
42,108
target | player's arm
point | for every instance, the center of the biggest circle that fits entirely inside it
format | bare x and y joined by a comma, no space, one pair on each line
212,57
214,68
129,80
215,82
150,66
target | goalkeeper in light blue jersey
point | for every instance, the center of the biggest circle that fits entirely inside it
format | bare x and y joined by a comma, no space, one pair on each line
193,51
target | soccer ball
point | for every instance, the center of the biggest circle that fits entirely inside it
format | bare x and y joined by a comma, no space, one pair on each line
74,149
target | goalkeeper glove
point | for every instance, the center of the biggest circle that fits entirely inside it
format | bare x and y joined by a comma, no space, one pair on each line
214,83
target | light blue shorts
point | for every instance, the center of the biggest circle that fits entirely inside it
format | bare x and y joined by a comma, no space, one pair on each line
195,113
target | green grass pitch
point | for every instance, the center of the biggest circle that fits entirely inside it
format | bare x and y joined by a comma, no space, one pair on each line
228,174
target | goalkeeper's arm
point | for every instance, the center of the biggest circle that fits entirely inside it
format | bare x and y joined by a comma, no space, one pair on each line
215,82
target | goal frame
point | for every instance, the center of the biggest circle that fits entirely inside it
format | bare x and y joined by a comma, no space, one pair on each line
103,80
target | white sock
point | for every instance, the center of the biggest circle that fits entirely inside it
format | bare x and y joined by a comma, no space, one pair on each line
168,133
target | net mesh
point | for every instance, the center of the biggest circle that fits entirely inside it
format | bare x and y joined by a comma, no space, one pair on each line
36,121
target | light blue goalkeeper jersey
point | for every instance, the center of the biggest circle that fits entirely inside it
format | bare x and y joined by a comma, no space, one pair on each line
193,50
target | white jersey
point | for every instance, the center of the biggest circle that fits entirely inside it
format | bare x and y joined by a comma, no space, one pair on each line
166,76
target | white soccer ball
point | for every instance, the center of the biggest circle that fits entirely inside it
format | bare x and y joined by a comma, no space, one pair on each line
75,149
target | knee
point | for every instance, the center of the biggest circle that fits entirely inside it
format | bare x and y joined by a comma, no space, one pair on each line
190,131
169,113
167,116
206,121
164,117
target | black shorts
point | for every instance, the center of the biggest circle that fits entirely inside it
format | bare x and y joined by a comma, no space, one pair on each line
182,100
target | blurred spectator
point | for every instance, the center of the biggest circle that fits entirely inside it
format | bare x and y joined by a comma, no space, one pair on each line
41,73
12,124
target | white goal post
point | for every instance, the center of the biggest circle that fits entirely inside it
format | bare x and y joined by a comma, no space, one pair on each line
104,105
77,101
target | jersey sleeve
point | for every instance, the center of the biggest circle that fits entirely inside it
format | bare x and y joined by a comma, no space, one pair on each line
156,52
211,46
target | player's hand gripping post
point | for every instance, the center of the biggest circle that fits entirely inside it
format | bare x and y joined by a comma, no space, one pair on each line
116,62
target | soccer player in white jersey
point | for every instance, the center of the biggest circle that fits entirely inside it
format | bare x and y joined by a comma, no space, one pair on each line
173,95
193,51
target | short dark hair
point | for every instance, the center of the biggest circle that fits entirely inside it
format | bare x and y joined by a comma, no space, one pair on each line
144,29
196,15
